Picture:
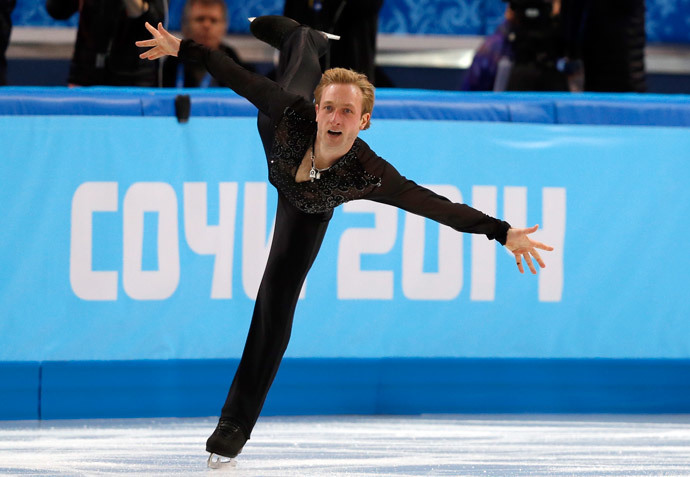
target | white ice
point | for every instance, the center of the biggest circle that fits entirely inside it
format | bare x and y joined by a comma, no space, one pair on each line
555,445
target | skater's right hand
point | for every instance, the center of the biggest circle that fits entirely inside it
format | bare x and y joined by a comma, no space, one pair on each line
162,43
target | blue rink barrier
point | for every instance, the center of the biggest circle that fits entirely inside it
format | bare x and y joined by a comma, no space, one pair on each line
193,388
103,190
20,390
545,108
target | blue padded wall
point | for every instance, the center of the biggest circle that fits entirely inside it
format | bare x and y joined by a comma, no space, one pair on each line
19,390
546,108
193,388
137,388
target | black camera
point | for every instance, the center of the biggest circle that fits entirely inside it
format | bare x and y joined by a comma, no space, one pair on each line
538,45
536,33
533,11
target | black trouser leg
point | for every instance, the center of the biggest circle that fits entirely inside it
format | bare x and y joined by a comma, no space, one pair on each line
298,71
296,242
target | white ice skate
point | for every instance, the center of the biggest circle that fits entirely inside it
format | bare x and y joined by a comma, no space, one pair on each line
330,36
216,461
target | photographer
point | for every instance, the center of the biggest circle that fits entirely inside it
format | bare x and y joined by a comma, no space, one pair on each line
573,45
540,58
612,42
532,50
104,50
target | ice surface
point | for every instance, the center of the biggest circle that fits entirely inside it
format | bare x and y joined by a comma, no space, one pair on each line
357,446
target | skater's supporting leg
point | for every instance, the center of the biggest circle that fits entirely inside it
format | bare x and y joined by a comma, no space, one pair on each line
296,242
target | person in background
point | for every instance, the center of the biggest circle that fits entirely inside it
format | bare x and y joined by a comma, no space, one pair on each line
206,23
104,51
613,44
6,7
355,21
539,47
481,76
534,49
586,45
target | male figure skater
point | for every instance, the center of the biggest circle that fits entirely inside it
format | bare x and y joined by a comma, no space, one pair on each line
316,161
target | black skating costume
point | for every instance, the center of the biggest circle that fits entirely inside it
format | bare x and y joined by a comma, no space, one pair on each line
287,127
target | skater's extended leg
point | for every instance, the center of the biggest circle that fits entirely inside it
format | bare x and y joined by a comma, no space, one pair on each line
298,70
296,242
300,48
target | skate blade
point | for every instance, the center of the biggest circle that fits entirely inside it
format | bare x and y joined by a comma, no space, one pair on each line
216,461
330,36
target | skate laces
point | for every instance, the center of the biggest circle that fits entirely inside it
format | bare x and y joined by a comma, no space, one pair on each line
226,427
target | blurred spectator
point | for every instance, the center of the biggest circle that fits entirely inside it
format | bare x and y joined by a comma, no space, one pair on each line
482,74
591,45
525,53
613,44
6,7
205,22
356,21
104,51
540,61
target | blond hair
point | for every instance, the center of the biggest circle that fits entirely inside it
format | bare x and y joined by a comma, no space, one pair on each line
345,76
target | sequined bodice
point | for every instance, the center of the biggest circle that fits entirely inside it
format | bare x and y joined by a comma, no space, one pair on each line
344,181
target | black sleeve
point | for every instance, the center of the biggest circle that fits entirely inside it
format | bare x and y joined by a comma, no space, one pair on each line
235,57
269,97
169,78
398,191
155,13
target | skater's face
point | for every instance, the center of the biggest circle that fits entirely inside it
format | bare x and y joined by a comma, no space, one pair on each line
339,116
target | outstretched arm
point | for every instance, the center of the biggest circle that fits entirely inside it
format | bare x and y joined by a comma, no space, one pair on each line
263,93
522,246
403,193
398,191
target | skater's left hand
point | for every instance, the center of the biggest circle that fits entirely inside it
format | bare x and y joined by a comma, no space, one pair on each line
162,43
522,246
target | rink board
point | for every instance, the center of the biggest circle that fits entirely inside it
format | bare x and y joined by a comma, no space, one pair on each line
195,388
117,301
20,390
547,108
